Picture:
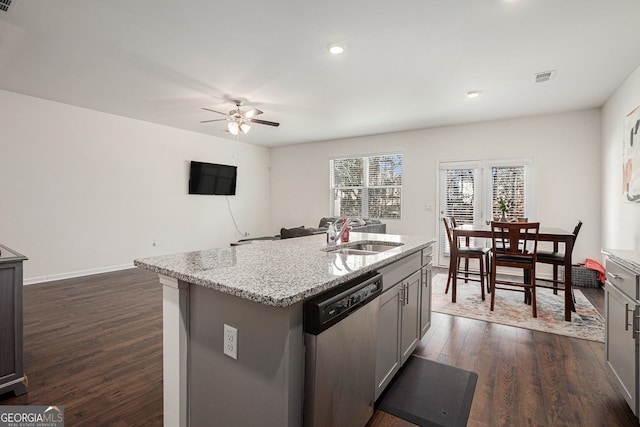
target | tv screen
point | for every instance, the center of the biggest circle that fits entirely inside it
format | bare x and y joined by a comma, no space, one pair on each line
211,178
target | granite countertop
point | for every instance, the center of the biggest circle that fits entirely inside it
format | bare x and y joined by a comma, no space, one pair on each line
628,258
280,272
9,255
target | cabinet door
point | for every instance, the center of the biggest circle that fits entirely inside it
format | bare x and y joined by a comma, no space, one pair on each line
388,350
410,328
11,335
8,366
620,344
425,296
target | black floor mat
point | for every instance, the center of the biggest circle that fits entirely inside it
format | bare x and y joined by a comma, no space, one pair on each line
431,394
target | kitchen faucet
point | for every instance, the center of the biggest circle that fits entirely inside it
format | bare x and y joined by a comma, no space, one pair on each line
345,223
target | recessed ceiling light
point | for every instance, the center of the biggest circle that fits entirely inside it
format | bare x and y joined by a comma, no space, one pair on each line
335,48
473,94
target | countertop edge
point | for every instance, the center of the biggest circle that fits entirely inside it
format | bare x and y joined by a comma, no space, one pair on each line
627,258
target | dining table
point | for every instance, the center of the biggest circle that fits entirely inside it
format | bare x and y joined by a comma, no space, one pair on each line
546,234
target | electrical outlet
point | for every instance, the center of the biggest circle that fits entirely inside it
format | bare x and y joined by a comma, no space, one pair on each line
230,344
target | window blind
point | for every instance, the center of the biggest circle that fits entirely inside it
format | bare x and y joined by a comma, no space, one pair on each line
368,187
508,182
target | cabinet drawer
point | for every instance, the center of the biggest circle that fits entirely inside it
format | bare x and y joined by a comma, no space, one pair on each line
427,255
623,279
400,269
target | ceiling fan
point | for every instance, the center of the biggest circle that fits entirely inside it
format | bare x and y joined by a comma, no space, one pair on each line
239,120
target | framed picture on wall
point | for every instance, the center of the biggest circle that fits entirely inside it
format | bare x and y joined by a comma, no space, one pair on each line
631,156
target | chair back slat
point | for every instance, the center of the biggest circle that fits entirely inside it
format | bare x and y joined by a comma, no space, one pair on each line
515,239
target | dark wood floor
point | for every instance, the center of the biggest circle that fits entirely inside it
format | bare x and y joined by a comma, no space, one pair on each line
94,345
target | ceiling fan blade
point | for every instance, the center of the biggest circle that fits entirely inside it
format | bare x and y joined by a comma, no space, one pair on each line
264,122
214,111
252,113
214,120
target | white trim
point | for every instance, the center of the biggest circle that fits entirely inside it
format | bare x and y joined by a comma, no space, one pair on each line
382,153
80,273
175,351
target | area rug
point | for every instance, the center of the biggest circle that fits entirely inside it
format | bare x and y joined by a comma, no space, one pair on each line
429,393
586,323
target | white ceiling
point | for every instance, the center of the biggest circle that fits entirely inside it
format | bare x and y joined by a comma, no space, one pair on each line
407,65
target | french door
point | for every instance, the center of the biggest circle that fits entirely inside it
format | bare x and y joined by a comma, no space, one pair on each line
469,191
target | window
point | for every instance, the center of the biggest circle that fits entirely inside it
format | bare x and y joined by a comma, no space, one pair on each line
367,187
460,194
508,182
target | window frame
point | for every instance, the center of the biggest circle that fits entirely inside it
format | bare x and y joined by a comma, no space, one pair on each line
364,211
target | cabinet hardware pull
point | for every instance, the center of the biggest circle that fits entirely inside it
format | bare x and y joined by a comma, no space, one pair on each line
626,317
616,276
406,293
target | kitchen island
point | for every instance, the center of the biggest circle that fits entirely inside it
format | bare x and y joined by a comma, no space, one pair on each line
259,289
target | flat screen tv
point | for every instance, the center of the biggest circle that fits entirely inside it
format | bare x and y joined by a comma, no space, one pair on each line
211,178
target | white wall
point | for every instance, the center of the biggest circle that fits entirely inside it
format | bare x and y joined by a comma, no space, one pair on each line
565,149
84,191
620,218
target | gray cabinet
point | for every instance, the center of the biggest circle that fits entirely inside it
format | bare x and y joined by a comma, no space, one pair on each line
12,377
622,309
403,315
388,349
410,314
425,290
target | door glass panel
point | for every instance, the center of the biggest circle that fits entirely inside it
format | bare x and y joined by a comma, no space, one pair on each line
469,192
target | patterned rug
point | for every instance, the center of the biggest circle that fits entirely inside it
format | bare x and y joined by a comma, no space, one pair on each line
586,323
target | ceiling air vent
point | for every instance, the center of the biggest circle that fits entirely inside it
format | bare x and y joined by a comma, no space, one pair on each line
544,76
7,6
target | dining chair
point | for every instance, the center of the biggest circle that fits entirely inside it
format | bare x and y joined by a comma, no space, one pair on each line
467,252
515,245
556,259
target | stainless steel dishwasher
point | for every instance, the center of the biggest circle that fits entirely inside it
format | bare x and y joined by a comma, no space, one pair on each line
341,329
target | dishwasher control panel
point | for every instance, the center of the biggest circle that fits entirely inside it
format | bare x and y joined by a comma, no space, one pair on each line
328,308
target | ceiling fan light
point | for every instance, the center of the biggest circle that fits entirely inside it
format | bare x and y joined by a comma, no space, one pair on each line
245,128
335,48
233,128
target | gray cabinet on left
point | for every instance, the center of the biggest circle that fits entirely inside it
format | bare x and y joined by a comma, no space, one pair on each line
12,376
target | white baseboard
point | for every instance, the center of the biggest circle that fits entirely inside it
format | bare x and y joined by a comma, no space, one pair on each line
71,275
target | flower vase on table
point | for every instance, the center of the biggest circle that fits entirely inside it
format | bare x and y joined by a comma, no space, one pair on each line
503,205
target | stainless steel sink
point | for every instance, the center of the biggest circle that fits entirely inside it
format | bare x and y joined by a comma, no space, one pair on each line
349,251
373,247
363,248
